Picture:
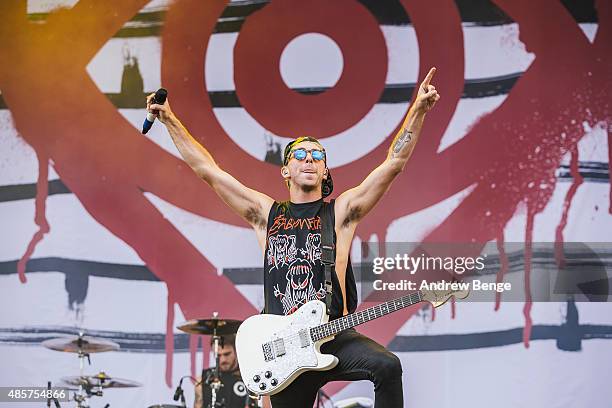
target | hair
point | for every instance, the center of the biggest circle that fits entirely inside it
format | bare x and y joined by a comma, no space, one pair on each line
229,340
297,141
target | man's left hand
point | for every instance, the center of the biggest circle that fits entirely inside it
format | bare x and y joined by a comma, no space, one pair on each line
427,96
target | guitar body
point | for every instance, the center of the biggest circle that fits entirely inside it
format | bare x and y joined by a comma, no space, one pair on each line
273,350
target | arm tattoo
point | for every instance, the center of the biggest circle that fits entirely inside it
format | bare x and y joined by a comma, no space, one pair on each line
401,141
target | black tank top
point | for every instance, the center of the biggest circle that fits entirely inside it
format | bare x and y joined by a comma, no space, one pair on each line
293,272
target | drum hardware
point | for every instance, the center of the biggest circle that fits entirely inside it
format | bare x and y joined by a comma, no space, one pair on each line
51,398
94,385
86,386
99,381
214,326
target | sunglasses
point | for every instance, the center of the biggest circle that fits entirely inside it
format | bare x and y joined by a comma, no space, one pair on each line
301,153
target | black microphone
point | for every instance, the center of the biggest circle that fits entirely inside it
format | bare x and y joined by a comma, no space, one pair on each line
159,98
179,390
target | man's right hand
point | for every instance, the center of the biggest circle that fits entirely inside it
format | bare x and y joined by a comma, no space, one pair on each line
251,205
164,112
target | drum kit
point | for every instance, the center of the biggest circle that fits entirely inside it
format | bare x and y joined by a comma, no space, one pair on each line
84,387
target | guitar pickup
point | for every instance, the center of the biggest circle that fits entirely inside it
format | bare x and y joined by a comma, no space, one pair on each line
304,338
279,347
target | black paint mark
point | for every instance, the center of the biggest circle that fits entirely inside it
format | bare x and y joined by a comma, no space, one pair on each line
76,285
386,12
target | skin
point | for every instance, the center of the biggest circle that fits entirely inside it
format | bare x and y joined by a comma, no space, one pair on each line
227,359
306,176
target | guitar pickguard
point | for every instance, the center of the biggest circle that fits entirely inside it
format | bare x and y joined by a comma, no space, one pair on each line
287,352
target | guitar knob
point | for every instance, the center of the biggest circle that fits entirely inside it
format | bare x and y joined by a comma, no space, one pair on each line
256,378
268,374
262,386
274,382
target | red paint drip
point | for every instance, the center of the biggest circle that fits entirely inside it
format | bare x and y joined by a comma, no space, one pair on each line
382,244
503,268
453,308
206,349
42,192
528,301
365,249
433,313
610,166
193,349
169,339
569,197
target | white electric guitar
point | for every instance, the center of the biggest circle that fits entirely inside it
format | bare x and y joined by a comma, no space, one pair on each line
274,350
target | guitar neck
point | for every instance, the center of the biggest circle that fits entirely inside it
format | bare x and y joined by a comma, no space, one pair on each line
346,322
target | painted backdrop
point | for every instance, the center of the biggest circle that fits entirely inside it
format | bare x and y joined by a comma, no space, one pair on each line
108,231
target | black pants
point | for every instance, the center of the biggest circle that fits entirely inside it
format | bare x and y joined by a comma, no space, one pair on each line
360,358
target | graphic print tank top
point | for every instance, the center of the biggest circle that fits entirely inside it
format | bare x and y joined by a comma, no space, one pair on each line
293,272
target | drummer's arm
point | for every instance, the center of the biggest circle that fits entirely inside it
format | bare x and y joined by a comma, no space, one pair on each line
197,402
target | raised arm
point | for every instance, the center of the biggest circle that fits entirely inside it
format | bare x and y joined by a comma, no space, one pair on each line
354,204
251,205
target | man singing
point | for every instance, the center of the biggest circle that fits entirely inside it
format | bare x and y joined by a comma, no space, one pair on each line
289,234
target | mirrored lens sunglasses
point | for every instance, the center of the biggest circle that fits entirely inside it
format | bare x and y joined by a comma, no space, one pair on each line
301,153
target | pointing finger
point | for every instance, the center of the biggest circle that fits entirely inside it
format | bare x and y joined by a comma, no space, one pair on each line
427,79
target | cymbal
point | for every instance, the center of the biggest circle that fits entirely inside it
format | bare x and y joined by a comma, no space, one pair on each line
208,326
85,344
100,380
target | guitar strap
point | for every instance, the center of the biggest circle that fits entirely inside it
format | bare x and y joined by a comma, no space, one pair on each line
328,249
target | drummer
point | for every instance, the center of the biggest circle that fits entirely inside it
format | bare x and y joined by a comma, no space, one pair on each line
233,394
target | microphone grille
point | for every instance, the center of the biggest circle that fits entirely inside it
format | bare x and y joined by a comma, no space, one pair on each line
160,96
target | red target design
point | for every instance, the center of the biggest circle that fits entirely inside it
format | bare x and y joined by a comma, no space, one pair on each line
262,91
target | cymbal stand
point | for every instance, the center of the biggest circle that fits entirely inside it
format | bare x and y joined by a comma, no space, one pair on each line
82,396
215,384
51,398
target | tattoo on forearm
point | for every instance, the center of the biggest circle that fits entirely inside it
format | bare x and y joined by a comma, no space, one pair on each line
401,141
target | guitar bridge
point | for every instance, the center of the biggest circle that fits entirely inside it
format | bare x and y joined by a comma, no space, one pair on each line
279,347
267,351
